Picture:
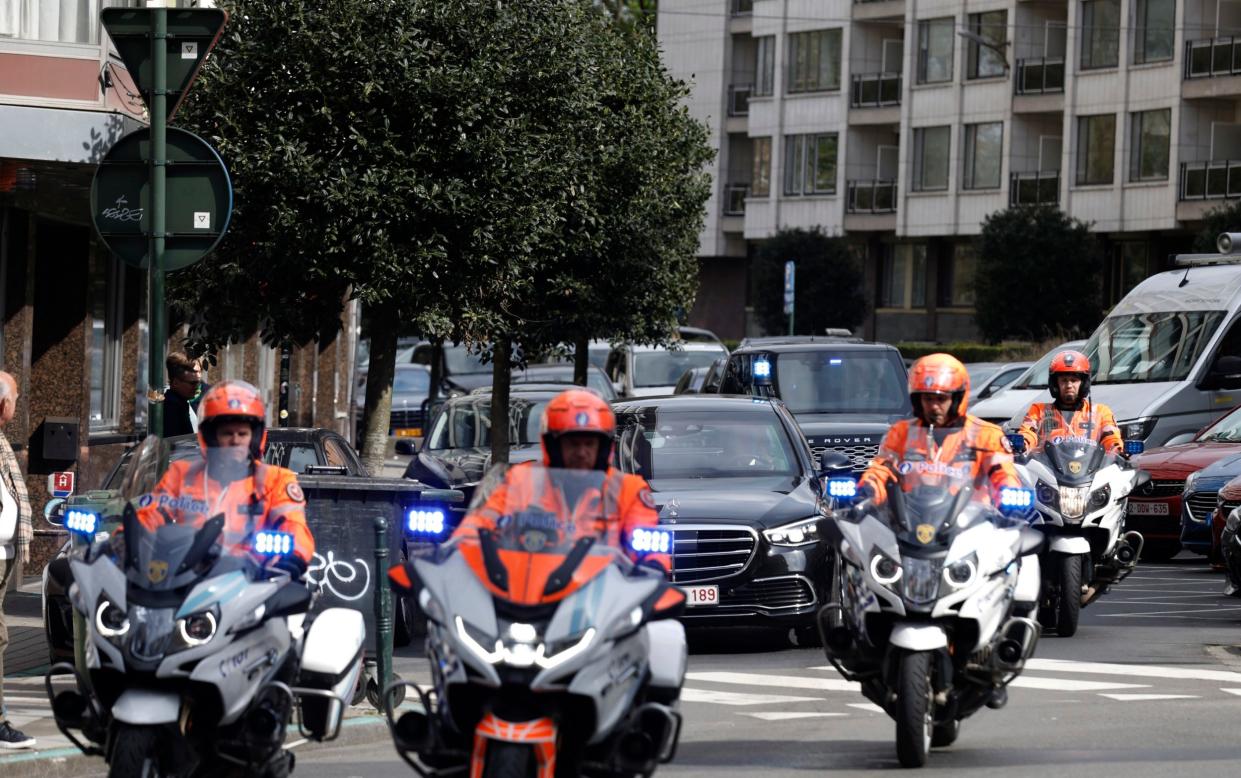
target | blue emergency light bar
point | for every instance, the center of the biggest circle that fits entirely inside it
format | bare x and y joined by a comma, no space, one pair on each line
842,488
273,543
762,370
82,522
1016,441
651,541
426,522
1015,501
1134,447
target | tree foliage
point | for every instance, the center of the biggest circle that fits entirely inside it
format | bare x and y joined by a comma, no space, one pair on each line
1038,275
830,289
1225,217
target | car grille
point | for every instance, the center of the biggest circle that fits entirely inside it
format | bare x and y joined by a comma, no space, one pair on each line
406,419
1201,504
860,455
1162,489
707,552
1226,507
772,594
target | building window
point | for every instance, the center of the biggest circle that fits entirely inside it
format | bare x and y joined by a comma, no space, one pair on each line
935,44
765,65
1100,33
931,151
1131,268
72,21
810,164
1149,145
956,277
814,61
984,62
107,286
1156,22
760,181
984,150
902,276
1096,149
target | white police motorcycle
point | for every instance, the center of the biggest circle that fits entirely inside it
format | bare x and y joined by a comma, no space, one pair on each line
198,652
932,593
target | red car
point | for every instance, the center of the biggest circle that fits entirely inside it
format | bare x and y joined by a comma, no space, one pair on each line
1155,509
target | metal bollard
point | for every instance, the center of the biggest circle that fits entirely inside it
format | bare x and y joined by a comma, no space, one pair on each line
383,608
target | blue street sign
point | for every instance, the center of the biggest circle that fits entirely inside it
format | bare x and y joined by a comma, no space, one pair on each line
789,287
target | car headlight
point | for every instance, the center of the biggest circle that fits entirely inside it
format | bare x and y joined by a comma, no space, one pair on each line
885,569
962,572
1100,498
798,533
1137,429
1189,482
110,620
197,629
1048,495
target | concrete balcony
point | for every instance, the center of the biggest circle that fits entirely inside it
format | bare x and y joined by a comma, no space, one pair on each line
1212,68
878,9
870,205
1034,189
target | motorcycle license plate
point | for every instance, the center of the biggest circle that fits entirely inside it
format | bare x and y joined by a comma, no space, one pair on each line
701,595
1148,509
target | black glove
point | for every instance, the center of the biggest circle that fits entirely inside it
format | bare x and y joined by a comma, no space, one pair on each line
293,565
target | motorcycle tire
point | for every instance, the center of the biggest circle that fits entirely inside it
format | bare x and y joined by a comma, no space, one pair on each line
945,734
914,711
1069,599
509,760
135,753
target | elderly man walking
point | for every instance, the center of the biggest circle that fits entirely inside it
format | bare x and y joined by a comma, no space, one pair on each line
16,533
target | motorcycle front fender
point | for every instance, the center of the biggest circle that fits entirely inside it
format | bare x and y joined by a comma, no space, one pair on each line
1069,544
918,637
147,707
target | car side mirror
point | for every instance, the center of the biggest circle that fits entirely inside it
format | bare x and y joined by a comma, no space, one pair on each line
618,386
1225,373
834,463
54,511
406,446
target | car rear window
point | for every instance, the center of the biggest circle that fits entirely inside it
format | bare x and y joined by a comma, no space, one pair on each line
467,424
856,381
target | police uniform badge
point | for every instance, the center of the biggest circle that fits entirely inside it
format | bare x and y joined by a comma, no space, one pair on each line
295,492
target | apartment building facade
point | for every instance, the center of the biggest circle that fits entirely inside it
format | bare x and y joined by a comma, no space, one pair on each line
902,124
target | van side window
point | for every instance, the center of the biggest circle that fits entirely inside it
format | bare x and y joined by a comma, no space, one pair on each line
1230,346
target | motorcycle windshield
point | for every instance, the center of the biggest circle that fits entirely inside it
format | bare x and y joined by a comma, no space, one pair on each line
1073,459
537,534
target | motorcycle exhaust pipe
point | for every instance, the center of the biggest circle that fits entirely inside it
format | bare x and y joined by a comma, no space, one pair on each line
71,709
1135,542
1018,638
412,732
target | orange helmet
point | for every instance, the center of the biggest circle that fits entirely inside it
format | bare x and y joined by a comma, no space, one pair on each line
939,374
1069,363
233,401
577,411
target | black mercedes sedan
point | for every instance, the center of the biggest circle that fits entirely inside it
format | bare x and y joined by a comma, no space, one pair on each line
735,481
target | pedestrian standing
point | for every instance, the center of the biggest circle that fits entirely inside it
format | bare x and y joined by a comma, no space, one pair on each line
16,532
185,387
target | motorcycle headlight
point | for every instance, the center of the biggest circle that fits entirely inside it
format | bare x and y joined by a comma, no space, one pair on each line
799,533
543,660
921,579
110,620
197,629
962,573
1048,494
466,635
1073,501
1100,498
885,569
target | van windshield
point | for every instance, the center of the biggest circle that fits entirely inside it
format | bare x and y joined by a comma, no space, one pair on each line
1144,347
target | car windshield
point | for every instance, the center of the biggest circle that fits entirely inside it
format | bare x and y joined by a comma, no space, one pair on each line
467,423
416,381
665,368
1146,347
1226,430
667,444
842,382
980,373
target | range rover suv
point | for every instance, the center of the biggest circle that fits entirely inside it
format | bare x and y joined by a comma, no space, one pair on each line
845,394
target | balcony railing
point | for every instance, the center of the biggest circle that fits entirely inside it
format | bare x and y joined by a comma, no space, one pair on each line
1213,57
741,7
739,99
1034,189
877,196
876,90
1039,75
734,199
1212,180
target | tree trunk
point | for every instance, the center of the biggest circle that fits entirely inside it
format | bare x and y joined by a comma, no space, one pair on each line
379,375
501,373
581,358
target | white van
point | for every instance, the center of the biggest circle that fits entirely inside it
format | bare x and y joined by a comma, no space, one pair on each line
1167,359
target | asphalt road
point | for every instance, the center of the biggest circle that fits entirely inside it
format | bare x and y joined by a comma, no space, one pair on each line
1150,686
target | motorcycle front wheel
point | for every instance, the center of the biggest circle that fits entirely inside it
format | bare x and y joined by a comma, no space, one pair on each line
509,760
914,711
135,753
1069,600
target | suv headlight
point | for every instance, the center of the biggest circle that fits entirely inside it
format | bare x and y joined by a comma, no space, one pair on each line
1138,429
799,533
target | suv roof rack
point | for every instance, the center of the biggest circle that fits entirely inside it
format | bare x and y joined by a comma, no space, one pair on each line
777,340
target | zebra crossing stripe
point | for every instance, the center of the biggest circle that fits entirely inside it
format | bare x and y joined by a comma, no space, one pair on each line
716,697
1149,697
1134,671
783,681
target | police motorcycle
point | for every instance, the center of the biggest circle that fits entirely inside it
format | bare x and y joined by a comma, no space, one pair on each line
931,599
1080,495
551,652
198,651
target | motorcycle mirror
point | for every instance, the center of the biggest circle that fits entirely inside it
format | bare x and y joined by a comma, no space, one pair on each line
1143,479
54,511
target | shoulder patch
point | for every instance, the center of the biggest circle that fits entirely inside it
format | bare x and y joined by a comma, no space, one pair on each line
647,498
295,492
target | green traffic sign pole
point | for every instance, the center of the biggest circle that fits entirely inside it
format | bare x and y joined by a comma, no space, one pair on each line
157,315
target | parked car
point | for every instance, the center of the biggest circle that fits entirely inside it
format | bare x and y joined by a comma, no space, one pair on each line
997,380
651,371
562,373
411,385
1008,406
845,395
302,450
735,481
702,380
698,335
831,336
1157,509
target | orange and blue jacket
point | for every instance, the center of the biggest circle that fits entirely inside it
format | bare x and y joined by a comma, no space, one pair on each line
1093,421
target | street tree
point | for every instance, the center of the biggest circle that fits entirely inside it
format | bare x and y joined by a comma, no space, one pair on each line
1038,275
409,154
1225,217
829,287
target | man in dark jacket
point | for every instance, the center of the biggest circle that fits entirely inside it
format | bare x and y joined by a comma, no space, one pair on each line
185,387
